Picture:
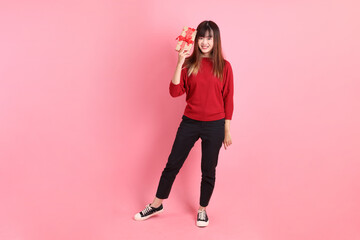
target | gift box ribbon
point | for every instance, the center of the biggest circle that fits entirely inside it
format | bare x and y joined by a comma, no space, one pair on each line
187,38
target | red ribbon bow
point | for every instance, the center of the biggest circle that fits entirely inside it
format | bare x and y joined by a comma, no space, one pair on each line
187,38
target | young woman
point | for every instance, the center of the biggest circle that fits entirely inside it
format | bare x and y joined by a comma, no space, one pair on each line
207,79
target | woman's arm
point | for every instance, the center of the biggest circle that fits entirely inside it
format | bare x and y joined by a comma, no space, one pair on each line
227,139
227,125
176,86
176,78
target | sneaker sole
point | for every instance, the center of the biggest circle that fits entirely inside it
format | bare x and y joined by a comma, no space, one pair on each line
202,223
144,218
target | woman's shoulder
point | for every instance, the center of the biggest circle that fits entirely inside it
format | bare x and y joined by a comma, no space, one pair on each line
227,63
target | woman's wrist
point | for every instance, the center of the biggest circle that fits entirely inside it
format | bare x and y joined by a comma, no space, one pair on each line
179,65
227,125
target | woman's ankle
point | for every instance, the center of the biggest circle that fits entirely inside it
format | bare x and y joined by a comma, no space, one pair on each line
156,203
201,208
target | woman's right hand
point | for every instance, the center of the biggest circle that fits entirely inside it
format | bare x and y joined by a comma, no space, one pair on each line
182,55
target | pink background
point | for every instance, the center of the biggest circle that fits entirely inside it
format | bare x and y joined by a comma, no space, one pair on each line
87,122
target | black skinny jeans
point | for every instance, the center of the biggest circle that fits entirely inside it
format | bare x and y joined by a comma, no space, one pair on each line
212,134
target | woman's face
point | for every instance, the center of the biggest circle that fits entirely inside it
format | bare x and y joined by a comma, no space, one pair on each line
206,44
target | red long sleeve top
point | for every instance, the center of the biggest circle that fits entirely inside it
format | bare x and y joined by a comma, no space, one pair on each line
207,98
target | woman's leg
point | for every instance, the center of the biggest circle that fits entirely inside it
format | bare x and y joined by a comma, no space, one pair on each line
188,133
156,202
186,136
201,208
212,138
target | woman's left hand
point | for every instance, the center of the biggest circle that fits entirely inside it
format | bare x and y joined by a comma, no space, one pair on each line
227,139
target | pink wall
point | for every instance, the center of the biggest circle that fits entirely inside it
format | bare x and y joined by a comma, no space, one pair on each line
87,122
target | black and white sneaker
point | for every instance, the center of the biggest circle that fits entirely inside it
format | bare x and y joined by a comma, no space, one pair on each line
148,212
202,219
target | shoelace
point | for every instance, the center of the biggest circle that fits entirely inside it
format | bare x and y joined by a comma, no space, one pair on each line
202,215
146,210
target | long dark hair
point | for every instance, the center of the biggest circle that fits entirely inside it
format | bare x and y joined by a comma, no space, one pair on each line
193,61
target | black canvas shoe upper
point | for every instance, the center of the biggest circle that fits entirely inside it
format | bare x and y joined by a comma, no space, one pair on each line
150,210
202,216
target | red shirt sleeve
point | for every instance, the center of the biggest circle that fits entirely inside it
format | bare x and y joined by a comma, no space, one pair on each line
179,89
228,92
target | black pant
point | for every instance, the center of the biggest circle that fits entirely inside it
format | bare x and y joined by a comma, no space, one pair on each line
212,134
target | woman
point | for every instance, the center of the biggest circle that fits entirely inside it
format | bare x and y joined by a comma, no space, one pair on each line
207,79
